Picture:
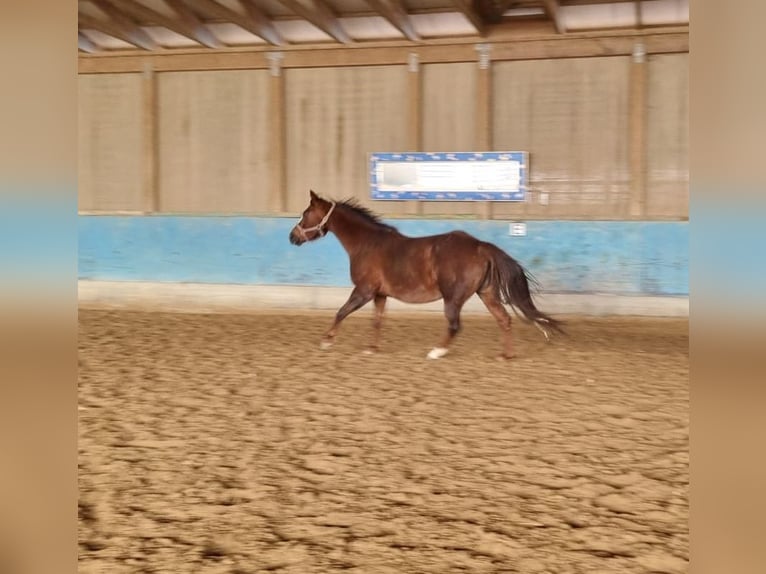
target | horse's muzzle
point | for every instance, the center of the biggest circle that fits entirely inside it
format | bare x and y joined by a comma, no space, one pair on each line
296,238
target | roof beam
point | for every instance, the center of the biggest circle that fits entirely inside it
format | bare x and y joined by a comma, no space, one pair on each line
320,15
84,44
111,28
256,22
196,30
129,27
589,2
551,8
395,12
143,13
468,9
261,21
491,11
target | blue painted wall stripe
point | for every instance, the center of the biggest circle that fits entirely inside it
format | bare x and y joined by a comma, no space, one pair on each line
638,258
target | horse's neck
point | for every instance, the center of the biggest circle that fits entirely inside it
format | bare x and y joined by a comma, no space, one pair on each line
352,232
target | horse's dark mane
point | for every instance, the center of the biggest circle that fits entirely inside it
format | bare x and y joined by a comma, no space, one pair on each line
354,205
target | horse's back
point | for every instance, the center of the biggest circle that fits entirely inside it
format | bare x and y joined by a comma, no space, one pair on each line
440,249
458,246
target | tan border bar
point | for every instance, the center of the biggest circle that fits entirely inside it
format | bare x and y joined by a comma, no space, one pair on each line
617,43
415,119
637,125
278,134
150,141
483,112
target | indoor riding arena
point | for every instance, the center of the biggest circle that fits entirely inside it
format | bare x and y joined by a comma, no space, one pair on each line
219,432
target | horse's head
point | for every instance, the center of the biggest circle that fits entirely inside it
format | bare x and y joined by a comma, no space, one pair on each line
313,222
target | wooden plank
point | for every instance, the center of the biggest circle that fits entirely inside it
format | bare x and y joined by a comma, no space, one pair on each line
414,118
522,31
449,120
84,44
143,13
484,117
255,21
589,47
395,12
135,36
122,21
278,134
191,22
588,2
150,142
549,47
637,125
320,15
467,8
551,8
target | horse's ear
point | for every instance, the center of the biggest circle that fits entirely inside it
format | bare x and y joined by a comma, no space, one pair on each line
313,195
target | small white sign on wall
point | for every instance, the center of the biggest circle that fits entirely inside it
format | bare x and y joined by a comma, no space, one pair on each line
517,229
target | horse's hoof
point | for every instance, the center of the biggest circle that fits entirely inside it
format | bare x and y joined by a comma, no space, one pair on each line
437,353
369,351
324,345
504,357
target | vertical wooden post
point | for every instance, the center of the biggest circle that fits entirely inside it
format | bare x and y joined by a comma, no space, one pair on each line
484,115
414,118
277,134
637,108
150,141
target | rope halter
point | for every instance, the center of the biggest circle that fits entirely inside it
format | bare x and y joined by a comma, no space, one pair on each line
319,227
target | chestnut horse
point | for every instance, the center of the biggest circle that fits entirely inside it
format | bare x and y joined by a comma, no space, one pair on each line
451,266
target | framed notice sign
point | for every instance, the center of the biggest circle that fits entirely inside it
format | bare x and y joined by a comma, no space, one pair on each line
458,176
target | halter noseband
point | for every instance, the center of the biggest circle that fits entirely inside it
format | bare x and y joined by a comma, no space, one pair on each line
319,227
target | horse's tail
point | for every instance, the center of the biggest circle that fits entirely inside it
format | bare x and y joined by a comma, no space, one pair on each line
512,283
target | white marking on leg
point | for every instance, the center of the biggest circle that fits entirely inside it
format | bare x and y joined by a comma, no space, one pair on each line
437,352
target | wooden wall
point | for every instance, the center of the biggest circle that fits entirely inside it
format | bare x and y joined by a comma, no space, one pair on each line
667,138
607,136
213,145
572,117
110,142
335,118
449,121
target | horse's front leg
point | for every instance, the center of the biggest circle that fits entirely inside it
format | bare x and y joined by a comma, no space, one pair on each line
377,323
452,309
356,300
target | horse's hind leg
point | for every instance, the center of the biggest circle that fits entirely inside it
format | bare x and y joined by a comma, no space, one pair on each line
494,305
356,300
377,323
